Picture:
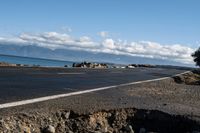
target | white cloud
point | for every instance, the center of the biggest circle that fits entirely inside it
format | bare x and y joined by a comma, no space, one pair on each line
109,44
103,34
85,39
14,40
54,40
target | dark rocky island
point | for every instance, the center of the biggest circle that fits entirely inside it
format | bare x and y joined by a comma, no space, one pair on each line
90,65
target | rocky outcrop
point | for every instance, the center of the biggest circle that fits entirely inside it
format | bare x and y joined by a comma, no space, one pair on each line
140,65
128,120
90,65
191,78
6,64
49,129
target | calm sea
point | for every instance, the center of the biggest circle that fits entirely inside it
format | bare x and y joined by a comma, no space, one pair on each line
34,61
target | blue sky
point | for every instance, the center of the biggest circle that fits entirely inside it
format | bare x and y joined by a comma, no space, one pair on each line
166,22
170,21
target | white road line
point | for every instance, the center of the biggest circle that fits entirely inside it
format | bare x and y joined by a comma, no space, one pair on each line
70,73
41,99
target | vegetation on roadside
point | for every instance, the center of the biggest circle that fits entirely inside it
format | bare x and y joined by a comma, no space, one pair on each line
196,56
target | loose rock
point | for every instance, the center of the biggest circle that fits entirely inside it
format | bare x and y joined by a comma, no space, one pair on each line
129,129
49,129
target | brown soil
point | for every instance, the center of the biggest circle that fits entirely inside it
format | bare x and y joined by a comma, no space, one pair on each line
113,121
192,78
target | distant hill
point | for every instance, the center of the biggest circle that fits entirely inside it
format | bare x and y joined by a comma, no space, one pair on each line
74,55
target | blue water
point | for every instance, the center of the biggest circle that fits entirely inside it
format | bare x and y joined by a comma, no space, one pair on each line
34,61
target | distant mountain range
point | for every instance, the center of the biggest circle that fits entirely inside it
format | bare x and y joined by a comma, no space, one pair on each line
74,55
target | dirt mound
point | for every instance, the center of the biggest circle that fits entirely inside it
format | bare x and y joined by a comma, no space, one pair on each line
191,78
113,121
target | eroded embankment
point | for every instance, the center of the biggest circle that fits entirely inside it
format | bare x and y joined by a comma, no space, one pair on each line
122,120
191,78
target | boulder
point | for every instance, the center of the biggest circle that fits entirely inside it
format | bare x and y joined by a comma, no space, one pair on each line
49,129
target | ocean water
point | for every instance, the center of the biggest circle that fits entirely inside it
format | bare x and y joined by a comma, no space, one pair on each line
34,61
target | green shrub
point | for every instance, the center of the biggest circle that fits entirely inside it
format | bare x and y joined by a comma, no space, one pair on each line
196,56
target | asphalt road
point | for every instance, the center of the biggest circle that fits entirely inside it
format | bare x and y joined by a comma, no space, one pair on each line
26,83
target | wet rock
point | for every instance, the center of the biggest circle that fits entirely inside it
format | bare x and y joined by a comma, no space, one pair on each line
49,129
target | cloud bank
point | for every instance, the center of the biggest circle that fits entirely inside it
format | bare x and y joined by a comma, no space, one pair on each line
54,40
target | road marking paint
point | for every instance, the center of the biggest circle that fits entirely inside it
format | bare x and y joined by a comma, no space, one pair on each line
70,73
41,99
